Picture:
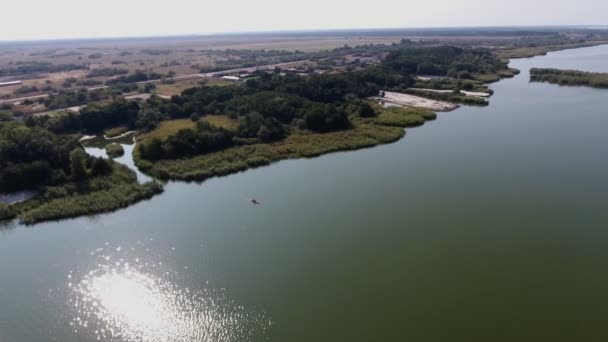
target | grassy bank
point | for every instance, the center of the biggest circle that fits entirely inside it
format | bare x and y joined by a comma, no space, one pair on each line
92,196
366,132
569,77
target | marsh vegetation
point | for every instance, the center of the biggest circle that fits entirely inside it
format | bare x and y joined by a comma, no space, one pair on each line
68,182
569,77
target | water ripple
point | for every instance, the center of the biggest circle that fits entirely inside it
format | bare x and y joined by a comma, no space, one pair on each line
122,301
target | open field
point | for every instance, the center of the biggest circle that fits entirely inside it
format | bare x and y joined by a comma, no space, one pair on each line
166,66
307,44
179,86
166,129
222,121
171,127
51,66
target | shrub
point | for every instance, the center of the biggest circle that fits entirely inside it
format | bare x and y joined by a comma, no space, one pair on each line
115,150
6,213
366,110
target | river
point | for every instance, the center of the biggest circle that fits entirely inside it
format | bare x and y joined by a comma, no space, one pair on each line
488,224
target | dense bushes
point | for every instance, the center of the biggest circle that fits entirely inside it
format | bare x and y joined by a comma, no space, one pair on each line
254,125
66,99
105,186
569,77
138,76
6,213
365,110
98,117
322,117
32,157
94,117
444,60
204,138
33,67
119,196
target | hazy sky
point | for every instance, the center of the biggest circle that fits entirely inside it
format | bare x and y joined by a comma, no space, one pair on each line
33,19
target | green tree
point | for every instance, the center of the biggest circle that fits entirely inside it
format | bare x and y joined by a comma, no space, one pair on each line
6,213
101,167
271,130
152,150
78,169
366,110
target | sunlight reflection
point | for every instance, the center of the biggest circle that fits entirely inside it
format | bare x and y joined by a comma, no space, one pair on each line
122,302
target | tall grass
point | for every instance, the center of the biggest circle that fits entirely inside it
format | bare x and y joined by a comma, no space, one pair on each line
118,196
92,196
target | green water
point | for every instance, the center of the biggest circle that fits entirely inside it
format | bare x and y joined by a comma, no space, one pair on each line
489,224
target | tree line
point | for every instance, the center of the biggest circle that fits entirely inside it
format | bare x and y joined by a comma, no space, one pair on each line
271,104
31,157
444,61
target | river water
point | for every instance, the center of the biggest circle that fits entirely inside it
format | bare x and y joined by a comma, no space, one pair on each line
488,224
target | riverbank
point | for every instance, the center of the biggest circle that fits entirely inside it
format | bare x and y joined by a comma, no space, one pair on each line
95,195
388,126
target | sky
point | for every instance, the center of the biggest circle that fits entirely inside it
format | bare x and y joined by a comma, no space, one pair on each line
51,19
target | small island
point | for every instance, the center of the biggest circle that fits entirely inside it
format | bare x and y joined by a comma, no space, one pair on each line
569,77
115,150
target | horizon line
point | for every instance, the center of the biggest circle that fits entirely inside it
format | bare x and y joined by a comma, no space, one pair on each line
293,31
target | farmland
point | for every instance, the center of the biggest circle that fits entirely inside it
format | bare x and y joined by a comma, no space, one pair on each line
174,64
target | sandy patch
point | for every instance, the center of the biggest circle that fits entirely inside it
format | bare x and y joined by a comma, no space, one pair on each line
467,93
416,101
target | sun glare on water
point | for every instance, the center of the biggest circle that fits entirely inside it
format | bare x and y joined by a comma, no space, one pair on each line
121,302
